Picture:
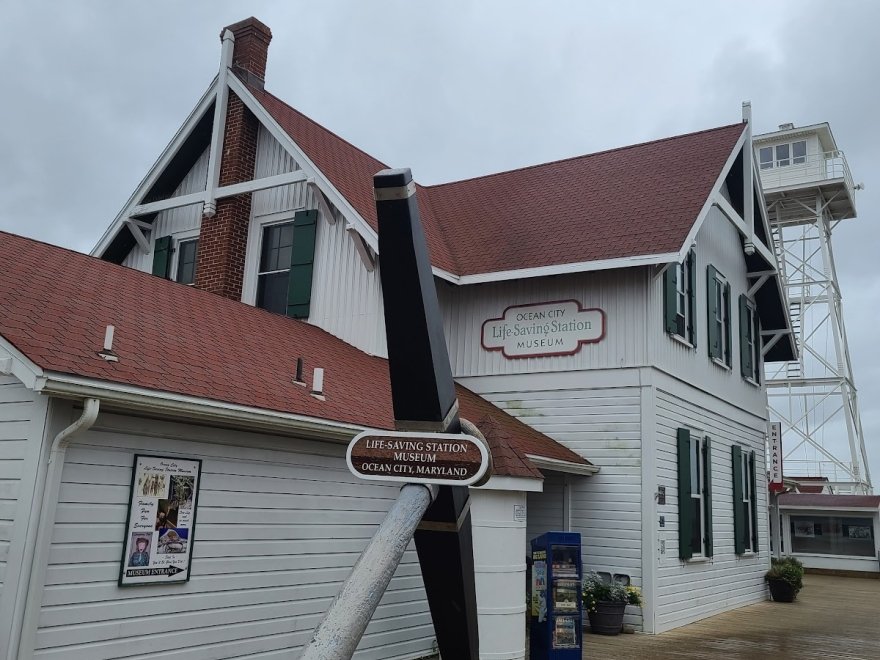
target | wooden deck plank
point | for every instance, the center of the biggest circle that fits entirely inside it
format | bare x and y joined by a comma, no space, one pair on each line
833,617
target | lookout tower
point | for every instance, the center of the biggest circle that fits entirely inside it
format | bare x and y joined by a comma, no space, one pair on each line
809,189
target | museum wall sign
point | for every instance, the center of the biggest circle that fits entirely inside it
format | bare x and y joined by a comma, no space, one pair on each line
543,329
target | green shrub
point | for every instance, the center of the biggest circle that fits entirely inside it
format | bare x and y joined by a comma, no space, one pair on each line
788,569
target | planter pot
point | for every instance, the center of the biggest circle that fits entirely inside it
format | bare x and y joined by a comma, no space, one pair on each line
607,619
781,591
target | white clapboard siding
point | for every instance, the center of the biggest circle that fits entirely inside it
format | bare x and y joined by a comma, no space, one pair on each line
690,591
180,220
602,425
545,510
717,244
16,414
280,523
622,294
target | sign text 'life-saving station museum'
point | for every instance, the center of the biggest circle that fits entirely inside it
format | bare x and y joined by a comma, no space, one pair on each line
543,329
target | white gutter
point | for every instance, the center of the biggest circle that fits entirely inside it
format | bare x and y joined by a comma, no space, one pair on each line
47,497
194,408
545,463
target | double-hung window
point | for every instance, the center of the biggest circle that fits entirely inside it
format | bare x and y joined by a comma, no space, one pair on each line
718,306
749,340
694,495
274,270
284,269
745,505
679,299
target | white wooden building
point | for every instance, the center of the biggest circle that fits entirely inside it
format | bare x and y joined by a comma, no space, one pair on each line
620,304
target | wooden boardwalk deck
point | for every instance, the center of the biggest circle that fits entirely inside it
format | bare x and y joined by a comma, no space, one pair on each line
832,618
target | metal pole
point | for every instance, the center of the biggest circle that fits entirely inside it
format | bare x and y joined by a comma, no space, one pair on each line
340,631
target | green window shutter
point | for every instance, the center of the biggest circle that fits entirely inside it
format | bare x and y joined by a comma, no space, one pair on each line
707,493
739,522
162,256
757,335
685,508
669,295
712,310
692,296
727,349
753,465
745,355
299,287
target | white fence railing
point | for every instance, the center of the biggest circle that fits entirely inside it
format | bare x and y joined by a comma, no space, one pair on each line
813,168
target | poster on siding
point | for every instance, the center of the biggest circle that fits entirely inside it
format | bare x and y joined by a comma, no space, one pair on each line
161,518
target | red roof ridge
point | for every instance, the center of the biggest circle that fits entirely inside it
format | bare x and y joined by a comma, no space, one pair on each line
430,187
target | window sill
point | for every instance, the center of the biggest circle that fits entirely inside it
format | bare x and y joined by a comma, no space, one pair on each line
681,340
748,555
752,382
698,560
722,364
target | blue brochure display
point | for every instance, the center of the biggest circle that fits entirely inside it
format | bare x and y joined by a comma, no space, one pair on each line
556,609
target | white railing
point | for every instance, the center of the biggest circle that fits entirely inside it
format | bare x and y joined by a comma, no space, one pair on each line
814,168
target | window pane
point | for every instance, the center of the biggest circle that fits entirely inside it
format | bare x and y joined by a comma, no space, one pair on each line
782,155
833,535
799,151
766,157
276,249
697,533
186,262
272,292
695,468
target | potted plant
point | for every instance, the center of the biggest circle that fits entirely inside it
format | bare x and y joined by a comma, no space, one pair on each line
785,578
605,603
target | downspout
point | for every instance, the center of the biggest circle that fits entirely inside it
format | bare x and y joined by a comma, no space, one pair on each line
215,155
39,558
748,182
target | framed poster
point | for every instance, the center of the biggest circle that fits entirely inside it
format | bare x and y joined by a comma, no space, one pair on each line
157,548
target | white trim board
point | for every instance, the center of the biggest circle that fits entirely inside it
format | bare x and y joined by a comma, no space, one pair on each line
158,167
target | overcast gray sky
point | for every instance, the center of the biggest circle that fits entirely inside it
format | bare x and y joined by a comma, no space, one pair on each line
93,90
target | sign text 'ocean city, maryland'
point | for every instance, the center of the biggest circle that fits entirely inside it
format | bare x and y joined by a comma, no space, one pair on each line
430,458
543,329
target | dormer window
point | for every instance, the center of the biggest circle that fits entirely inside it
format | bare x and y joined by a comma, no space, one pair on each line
281,254
274,271
186,261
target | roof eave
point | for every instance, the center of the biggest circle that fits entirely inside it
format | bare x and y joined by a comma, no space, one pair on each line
192,408
559,465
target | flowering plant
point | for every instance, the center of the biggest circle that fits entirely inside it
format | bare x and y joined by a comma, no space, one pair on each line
595,589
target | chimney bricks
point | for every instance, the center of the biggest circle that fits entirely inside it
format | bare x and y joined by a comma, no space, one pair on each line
251,50
223,237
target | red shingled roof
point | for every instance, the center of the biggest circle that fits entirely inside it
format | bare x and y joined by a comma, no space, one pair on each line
169,337
835,501
633,201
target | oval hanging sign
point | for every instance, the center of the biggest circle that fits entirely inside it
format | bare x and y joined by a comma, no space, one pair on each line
428,458
543,329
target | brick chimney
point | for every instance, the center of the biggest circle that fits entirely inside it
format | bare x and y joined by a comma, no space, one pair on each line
223,237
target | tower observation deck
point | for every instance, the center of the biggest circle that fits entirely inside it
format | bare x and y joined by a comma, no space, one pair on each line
809,189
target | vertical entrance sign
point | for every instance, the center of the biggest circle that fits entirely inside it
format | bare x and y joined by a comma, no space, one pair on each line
774,433
424,399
